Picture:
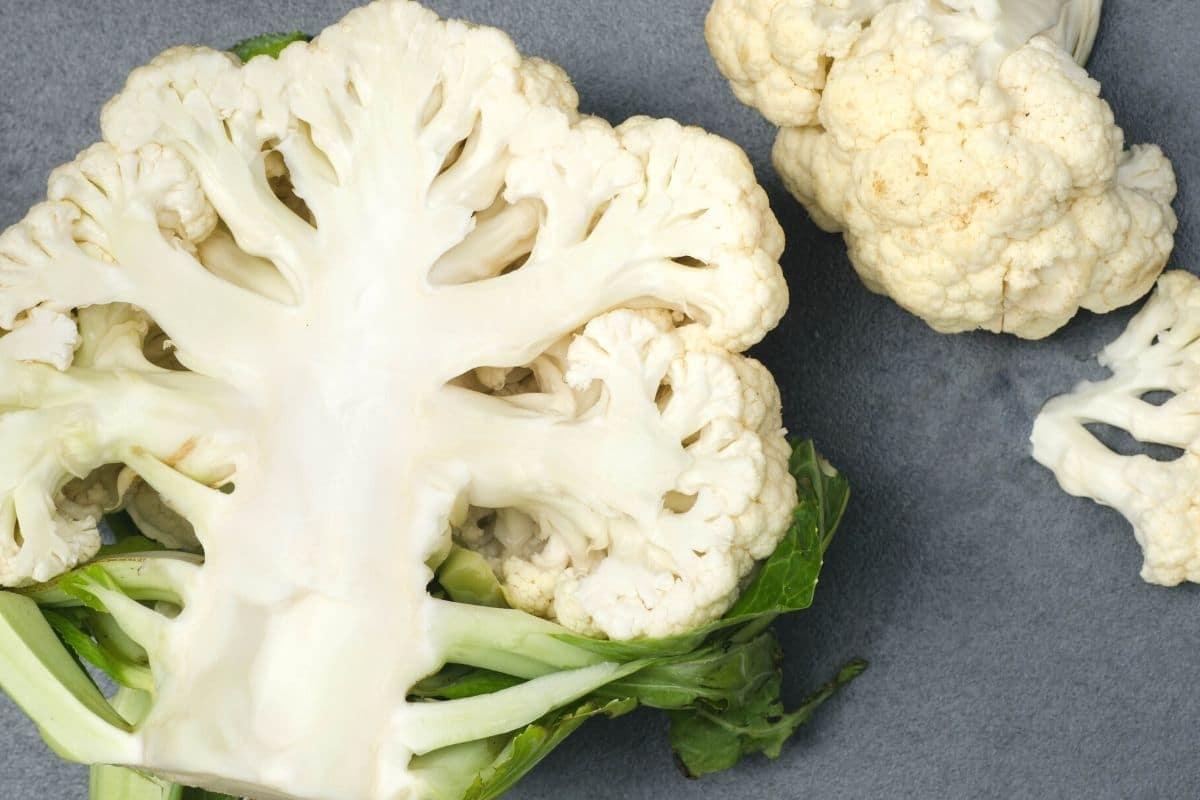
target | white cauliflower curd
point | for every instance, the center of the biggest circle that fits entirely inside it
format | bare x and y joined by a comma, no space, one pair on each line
975,172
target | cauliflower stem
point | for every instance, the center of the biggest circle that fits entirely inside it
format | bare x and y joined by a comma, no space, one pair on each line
513,688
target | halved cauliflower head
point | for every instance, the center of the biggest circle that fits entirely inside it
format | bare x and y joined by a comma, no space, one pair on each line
977,175
404,285
1154,395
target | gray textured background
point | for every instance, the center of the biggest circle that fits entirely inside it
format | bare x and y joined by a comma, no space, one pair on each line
1014,651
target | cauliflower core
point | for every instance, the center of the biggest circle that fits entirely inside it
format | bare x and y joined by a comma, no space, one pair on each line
1153,394
975,172
410,294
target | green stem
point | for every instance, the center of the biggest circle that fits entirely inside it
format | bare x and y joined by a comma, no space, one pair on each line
504,640
141,576
96,589
47,683
432,725
448,773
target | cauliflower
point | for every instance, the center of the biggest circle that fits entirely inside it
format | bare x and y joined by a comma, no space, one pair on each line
1159,353
676,532
975,172
322,316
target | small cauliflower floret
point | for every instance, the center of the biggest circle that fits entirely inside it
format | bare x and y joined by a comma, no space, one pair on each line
975,172
37,539
1159,355
660,544
333,310
41,334
776,53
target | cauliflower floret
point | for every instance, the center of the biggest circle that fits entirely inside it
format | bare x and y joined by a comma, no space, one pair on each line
41,334
1159,353
657,547
64,430
47,543
70,383
776,53
975,172
145,210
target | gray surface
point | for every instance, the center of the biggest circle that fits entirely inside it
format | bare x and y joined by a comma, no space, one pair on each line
1015,652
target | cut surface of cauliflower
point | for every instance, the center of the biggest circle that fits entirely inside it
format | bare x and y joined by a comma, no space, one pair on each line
975,172
390,286
655,546
1154,395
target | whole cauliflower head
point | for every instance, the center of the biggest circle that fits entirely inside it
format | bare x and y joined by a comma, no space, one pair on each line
1154,395
974,170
